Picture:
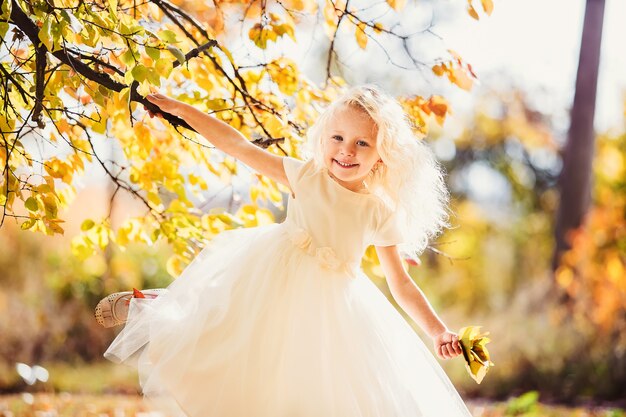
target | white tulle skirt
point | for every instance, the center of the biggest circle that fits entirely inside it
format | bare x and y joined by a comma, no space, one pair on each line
254,327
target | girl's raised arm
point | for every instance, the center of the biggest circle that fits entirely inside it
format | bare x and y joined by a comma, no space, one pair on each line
224,137
413,301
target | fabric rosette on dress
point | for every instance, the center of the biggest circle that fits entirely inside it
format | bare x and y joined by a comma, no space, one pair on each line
324,255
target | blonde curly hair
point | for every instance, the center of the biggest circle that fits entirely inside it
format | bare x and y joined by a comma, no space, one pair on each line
409,181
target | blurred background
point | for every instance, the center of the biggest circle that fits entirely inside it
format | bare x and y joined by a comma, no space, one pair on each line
535,159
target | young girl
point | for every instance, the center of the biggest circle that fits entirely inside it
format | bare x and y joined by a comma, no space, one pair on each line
279,320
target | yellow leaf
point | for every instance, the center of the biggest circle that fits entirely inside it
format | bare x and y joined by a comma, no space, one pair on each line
487,6
175,265
477,361
55,228
254,194
455,55
81,248
113,7
231,164
28,224
45,34
163,67
459,77
50,205
331,17
396,4
438,70
87,224
264,217
122,238
101,235
472,12
361,36
274,125
144,88
438,105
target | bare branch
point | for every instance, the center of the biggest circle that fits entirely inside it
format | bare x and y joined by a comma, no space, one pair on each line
17,85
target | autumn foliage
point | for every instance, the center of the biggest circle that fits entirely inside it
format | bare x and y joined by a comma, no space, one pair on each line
74,74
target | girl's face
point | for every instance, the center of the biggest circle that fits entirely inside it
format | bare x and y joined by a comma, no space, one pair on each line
349,146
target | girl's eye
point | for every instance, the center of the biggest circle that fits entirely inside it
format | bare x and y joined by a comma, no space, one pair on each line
337,137
363,143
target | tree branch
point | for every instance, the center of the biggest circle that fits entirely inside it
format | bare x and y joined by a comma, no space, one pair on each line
20,19
41,62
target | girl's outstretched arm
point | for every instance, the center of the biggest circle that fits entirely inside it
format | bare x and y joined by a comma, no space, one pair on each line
412,300
224,137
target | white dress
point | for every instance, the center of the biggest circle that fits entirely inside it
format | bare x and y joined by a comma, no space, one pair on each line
280,321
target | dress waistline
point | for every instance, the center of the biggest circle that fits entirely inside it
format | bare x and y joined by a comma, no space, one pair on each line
325,255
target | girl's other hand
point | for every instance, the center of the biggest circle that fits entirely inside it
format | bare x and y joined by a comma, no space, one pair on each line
165,103
447,345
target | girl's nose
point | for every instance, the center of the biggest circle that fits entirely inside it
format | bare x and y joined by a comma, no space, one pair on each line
348,149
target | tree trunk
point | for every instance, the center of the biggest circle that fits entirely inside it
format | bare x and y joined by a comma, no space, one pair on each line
575,178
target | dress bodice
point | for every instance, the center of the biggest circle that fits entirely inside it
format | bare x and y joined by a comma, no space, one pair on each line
331,221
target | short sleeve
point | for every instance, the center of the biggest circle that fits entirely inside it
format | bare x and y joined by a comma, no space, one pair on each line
293,170
387,231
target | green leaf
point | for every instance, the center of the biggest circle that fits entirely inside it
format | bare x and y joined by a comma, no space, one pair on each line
5,14
153,52
45,34
168,36
140,72
4,27
128,77
153,77
178,54
124,29
31,204
128,57
6,10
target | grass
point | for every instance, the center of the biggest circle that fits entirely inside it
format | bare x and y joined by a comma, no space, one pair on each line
81,378
81,405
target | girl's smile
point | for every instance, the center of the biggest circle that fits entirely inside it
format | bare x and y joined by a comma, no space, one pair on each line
345,164
349,145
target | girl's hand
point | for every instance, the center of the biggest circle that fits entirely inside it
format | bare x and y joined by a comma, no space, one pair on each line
165,103
447,345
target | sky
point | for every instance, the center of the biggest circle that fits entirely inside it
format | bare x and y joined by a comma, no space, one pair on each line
532,45
536,43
